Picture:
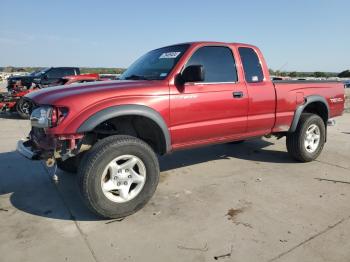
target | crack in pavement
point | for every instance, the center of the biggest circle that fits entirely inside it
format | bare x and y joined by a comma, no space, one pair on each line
330,164
82,234
332,180
309,239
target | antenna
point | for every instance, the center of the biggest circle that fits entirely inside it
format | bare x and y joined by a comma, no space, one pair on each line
284,65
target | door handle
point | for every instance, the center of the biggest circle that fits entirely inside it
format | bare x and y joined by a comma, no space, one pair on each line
238,94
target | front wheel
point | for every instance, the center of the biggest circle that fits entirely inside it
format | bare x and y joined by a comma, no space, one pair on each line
118,176
306,143
23,108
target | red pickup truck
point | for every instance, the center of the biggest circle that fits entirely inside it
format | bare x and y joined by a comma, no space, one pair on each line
172,98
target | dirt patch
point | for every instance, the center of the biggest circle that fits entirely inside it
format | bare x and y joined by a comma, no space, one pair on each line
163,176
232,213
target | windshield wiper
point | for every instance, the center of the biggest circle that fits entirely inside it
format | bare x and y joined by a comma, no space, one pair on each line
135,77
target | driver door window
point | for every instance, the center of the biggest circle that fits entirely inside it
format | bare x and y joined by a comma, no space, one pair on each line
218,62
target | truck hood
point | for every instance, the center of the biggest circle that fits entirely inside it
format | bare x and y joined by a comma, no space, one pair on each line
95,91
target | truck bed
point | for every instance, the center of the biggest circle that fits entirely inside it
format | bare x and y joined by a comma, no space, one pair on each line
304,81
292,93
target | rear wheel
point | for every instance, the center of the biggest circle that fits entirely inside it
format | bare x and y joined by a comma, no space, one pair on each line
307,142
118,176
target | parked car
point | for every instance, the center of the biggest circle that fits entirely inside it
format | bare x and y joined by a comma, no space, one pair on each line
347,84
14,100
42,78
173,98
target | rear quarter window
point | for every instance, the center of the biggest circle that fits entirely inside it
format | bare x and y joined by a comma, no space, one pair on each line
251,65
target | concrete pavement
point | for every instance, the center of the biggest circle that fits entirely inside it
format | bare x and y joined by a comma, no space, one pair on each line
247,202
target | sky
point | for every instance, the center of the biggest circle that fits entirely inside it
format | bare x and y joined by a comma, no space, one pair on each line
294,35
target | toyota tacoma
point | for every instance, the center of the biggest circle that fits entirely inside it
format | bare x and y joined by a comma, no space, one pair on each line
172,98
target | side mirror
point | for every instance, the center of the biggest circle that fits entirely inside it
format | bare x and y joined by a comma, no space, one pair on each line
193,73
45,77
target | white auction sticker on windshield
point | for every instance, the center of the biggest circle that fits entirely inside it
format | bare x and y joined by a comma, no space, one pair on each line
169,55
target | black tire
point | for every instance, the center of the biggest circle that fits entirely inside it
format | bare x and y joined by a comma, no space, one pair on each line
21,108
295,141
93,164
237,142
9,88
70,165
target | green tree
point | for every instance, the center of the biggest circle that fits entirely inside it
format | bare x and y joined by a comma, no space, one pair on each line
101,70
283,74
9,69
293,74
319,74
345,73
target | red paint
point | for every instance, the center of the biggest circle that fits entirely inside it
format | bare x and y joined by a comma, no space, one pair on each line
81,78
196,114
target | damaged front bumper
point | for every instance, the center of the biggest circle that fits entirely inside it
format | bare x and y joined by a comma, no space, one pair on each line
26,149
41,146
38,145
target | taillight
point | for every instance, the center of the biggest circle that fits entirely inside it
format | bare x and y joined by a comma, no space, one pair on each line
57,115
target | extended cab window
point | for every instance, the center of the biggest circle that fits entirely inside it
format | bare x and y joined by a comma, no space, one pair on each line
68,72
218,62
251,65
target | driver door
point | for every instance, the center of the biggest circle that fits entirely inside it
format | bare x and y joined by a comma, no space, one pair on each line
213,110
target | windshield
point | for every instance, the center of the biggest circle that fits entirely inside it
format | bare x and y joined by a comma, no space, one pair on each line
156,64
34,72
39,72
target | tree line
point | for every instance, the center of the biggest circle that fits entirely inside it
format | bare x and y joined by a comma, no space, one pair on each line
83,70
107,70
316,74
